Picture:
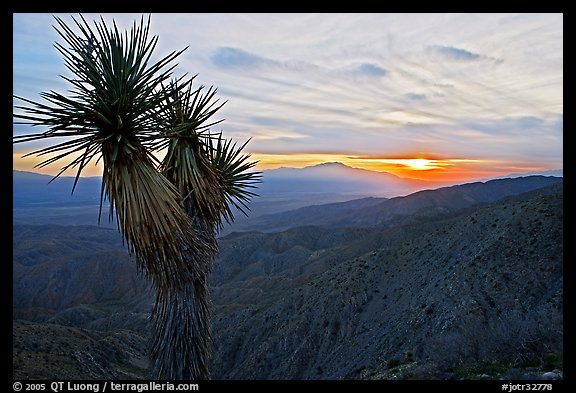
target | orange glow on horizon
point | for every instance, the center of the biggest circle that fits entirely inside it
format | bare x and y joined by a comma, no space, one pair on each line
440,170
29,163
436,170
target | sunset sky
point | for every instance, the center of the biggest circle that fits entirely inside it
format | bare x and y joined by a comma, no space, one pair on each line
429,96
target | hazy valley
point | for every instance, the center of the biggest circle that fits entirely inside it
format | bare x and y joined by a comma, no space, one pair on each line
400,282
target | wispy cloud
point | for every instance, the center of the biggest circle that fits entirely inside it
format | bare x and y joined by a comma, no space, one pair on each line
523,125
235,57
369,69
453,53
459,85
415,97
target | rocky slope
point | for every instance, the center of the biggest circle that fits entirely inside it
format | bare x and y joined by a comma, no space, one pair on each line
388,212
427,297
60,351
74,275
480,285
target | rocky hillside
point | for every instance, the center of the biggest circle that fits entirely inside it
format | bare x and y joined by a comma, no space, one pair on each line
483,285
389,212
80,310
447,294
60,351
74,275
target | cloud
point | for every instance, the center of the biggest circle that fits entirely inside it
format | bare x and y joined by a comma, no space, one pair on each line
415,97
558,125
369,69
228,57
272,134
453,53
364,83
523,125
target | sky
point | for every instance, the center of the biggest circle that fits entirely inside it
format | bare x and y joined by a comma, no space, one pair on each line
446,97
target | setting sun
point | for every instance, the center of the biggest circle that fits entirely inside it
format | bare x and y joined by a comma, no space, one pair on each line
435,168
438,169
418,164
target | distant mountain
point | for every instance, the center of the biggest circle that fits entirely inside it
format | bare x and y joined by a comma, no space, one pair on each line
459,293
380,211
37,201
323,179
339,178
40,199
552,172
31,188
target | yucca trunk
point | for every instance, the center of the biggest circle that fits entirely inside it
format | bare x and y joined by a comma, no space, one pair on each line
174,255
182,340
120,112
181,333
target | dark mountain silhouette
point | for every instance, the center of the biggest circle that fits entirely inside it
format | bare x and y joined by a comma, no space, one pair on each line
551,172
339,178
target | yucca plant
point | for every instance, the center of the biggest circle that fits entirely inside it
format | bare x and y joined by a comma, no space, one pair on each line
211,173
208,177
117,112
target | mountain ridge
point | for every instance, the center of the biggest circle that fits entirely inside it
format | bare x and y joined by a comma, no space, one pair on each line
424,295
423,298
377,211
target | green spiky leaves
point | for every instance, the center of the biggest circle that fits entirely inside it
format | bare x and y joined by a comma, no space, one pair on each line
115,91
121,111
211,173
110,116
237,179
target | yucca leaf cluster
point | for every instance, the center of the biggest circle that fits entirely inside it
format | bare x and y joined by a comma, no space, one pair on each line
123,109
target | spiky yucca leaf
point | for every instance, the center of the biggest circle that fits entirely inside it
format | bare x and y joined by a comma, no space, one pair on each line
188,109
108,116
237,180
114,92
187,161
152,220
209,171
119,112
189,165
